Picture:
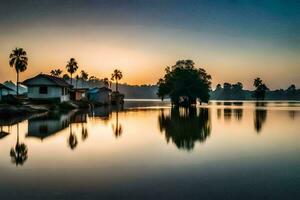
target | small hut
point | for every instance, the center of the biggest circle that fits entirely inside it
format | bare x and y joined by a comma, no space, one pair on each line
99,95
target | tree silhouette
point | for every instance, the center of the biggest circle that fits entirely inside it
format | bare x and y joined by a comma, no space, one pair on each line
72,67
18,59
56,72
184,83
115,76
106,82
76,80
261,88
66,77
19,154
84,76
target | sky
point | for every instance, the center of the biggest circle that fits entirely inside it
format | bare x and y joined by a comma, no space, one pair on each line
233,40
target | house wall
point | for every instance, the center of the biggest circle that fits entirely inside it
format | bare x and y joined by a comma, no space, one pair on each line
54,92
101,97
104,97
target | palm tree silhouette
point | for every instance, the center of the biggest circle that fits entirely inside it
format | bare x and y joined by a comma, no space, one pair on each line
116,75
19,154
84,76
56,72
72,67
18,59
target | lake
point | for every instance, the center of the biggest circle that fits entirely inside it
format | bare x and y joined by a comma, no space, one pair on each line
148,150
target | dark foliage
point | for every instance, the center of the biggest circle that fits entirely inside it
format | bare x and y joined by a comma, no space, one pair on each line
184,83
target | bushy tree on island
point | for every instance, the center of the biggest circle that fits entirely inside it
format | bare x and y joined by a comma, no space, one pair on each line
184,84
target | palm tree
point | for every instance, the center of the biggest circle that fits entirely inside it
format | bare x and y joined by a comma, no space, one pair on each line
76,80
84,76
116,75
19,154
18,59
72,67
56,72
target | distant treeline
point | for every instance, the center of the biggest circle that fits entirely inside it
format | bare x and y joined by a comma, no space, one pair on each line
226,91
138,91
236,92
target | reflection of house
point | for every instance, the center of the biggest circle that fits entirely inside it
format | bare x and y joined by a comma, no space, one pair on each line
4,91
78,94
46,87
79,117
99,95
47,125
102,112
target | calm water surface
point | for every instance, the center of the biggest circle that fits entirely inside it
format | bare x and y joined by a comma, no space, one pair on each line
224,150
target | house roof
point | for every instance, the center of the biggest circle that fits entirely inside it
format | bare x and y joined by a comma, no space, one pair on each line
97,89
56,80
5,87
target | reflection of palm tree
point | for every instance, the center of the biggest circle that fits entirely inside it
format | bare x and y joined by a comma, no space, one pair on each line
238,113
118,130
184,129
84,132
260,116
72,140
19,154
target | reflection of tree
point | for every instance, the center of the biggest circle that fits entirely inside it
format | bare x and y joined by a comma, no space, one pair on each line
72,140
84,132
260,116
19,154
238,113
118,129
219,113
227,114
185,127
292,114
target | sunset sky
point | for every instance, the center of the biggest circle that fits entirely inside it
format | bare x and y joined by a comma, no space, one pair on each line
234,40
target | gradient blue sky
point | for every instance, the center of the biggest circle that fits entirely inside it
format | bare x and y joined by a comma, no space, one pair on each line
234,40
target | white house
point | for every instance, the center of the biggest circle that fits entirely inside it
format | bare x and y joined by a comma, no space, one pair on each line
100,95
50,88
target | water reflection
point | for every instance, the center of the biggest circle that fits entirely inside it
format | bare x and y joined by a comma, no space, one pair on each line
72,139
238,114
19,153
185,126
117,126
260,116
44,126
